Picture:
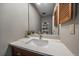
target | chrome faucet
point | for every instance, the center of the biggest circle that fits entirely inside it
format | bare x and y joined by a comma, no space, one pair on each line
40,36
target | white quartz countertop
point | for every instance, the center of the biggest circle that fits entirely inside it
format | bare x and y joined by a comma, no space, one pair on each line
55,47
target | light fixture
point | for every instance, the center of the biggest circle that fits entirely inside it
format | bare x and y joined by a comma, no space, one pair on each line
43,13
39,3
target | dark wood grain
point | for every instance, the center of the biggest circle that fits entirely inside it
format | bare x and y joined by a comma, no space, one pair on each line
20,52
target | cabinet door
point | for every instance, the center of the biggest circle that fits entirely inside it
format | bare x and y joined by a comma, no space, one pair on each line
65,12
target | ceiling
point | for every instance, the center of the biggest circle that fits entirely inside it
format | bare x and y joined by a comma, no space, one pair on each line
45,9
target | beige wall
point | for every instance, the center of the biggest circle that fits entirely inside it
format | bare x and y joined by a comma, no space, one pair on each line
34,19
14,23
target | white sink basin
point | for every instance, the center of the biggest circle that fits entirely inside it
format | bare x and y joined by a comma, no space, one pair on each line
40,42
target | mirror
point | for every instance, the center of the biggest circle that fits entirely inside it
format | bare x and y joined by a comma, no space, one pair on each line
45,24
48,18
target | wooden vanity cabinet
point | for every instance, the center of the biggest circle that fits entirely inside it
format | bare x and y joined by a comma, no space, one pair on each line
20,52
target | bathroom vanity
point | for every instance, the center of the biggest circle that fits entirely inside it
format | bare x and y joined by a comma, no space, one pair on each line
16,51
28,47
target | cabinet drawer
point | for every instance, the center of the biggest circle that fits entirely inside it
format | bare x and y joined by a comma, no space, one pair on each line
20,52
